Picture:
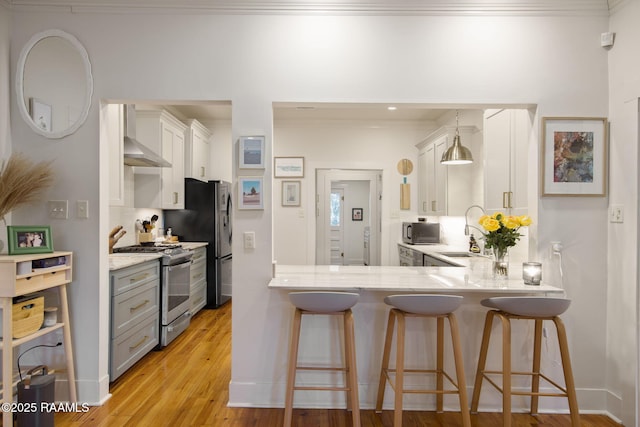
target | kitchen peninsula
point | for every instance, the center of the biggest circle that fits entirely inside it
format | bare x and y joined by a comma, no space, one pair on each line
373,283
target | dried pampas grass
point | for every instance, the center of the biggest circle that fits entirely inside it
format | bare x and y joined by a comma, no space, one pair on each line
22,182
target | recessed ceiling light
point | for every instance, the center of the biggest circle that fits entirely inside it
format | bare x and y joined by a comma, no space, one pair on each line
392,108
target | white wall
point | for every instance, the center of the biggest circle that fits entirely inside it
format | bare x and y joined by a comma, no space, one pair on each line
5,96
552,61
334,144
622,302
357,145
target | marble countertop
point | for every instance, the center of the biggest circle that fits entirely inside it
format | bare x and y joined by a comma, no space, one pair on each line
473,278
192,245
123,260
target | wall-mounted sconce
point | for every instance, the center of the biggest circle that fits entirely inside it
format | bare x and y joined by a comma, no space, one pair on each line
532,273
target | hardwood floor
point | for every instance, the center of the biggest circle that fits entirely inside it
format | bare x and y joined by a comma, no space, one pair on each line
187,385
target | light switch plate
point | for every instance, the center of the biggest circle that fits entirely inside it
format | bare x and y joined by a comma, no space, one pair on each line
616,213
58,209
82,209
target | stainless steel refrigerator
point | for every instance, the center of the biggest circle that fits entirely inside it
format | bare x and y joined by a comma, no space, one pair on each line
207,218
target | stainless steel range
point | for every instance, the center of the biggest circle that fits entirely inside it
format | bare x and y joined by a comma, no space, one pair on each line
174,290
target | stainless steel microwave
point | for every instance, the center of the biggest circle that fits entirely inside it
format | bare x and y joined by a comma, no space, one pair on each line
420,233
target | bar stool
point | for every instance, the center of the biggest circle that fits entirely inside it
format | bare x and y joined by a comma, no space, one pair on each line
324,303
421,305
525,308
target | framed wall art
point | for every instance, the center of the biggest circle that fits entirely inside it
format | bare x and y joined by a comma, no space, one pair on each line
288,167
574,156
250,193
251,152
291,193
29,239
356,214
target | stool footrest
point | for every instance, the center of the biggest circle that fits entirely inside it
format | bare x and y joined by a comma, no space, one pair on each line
422,371
486,374
321,368
331,388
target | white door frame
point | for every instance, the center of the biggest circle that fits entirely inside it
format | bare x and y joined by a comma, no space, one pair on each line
324,178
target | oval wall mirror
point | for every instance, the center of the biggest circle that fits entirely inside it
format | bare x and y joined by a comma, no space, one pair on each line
54,83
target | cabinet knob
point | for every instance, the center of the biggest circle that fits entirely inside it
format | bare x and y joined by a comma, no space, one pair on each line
175,197
202,171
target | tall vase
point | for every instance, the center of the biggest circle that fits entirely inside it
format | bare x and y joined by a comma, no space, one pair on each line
500,263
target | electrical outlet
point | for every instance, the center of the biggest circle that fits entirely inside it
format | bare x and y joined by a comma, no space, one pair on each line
249,240
616,213
58,209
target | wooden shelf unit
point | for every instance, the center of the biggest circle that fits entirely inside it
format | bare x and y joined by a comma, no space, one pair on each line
17,278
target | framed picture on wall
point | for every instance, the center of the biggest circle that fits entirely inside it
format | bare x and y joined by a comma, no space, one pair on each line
356,214
288,167
574,156
250,193
290,193
251,152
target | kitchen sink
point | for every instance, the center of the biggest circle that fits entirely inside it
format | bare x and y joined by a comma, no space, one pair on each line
456,254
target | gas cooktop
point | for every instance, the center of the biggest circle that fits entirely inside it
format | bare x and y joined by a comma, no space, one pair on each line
147,248
171,254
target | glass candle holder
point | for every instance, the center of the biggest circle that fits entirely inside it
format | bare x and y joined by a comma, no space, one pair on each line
532,273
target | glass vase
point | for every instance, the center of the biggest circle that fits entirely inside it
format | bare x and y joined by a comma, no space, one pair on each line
500,263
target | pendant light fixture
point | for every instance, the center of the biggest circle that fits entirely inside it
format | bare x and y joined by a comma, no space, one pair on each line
457,154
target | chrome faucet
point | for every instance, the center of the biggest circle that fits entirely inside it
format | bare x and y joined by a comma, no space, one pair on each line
466,221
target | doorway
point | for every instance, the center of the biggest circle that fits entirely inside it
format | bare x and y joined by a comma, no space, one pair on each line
348,216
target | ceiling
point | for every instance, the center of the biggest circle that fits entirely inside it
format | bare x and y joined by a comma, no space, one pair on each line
215,111
207,112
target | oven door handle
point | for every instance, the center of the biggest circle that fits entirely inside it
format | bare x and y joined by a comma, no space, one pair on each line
186,264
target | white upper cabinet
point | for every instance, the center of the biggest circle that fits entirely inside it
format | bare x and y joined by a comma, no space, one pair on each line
196,159
161,188
506,136
442,189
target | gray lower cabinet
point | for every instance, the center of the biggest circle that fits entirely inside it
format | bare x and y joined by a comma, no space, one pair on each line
135,310
198,282
409,257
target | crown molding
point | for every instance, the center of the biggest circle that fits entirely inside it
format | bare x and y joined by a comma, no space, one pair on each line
380,7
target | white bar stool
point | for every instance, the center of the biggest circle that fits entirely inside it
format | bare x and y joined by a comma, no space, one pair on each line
421,305
525,308
324,303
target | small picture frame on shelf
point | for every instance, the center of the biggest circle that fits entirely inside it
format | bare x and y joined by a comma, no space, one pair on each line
29,239
291,193
251,152
250,192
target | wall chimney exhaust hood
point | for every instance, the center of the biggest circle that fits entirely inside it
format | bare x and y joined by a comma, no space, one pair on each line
135,152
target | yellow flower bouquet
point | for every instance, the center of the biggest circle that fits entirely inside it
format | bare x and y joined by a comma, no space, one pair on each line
502,233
